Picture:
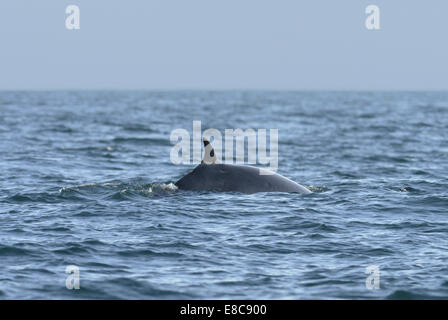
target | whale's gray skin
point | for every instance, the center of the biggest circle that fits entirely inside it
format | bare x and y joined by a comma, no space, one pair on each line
236,178
213,176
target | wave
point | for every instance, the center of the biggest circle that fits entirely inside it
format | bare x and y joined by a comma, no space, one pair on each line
94,191
119,190
411,295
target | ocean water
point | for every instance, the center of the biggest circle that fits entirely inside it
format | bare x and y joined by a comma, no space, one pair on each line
86,180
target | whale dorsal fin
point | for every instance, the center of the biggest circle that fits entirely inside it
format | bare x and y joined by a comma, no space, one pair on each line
209,153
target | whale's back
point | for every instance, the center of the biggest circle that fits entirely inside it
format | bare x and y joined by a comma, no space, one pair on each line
236,178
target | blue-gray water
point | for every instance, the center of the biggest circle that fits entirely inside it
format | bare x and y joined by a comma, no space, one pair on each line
84,179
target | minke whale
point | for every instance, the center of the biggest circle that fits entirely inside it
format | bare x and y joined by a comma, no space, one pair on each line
210,175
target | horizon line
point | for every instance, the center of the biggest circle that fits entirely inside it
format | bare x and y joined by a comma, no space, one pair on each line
227,89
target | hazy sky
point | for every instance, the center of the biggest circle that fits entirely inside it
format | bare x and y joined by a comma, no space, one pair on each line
224,44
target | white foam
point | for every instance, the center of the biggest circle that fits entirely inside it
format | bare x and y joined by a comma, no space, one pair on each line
170,186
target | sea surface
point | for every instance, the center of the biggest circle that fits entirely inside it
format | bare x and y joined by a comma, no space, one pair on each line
87,180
